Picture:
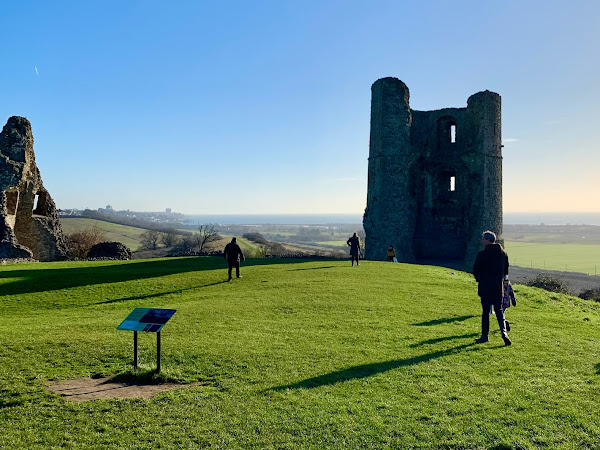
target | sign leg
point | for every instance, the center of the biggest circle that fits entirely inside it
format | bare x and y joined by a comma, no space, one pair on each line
158,352
135,351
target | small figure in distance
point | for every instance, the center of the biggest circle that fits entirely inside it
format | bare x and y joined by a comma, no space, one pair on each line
491,266
233,253
391,254
354,243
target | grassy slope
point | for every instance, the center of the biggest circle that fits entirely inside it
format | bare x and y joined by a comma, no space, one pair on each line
295,354
130,236
577,257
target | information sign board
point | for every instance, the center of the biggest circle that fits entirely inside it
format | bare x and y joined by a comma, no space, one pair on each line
146,319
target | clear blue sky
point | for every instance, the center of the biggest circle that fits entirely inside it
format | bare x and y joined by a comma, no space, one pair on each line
263,106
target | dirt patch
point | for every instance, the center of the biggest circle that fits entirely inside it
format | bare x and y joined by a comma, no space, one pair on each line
84,389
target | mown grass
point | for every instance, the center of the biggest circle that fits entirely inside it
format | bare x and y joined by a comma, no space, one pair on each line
296,354
583,258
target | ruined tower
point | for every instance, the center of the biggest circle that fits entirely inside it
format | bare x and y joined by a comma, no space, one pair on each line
29,224
435,177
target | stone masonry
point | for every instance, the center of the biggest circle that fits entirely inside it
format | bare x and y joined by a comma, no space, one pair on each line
435,177
29,224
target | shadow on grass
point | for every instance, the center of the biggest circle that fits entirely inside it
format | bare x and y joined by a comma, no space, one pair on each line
312,268
445,338
443,320
158,294
367,370
33,279
141,377
598,368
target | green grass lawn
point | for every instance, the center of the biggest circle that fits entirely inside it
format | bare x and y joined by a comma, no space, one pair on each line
297,354
571,257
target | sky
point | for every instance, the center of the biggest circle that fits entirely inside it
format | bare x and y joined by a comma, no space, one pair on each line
250,107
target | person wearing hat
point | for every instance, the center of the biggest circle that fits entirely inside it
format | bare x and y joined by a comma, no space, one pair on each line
391,253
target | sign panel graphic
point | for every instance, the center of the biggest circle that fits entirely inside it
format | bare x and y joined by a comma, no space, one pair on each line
146,319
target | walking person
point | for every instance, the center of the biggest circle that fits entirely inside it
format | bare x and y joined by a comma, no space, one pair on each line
233,253
491,265
391,253
354,243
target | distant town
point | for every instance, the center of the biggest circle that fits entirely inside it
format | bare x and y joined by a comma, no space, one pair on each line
164,217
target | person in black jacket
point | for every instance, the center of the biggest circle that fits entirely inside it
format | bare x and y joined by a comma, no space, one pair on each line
354,243
233,253
491,265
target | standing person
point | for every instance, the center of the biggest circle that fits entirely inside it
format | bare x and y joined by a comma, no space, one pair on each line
491,265
391,253
354,243
233,253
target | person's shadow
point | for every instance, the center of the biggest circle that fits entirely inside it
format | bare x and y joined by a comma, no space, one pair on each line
443,320
367,370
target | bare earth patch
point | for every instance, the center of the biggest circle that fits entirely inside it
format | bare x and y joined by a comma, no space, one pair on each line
84,389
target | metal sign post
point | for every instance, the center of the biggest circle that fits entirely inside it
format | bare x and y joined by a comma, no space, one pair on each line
150,320
135,353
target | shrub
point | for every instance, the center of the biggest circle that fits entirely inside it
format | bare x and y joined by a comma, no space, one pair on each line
591,294
81,242
549,283
257,238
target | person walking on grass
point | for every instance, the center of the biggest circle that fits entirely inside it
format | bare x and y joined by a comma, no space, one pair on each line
354,243
391,253
491,265
233,253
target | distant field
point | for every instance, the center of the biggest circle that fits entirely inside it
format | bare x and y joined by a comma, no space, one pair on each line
130,236
568,257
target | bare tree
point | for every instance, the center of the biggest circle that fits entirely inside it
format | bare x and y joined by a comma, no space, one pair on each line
186,243
80,242
206,234
149,239
169,237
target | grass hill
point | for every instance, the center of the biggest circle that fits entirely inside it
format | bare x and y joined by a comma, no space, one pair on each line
297,354
130,236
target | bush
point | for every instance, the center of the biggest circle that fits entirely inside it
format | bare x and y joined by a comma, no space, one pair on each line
549,283
81,242
591,294
257,238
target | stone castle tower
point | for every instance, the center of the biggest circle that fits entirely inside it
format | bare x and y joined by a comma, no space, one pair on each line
435,177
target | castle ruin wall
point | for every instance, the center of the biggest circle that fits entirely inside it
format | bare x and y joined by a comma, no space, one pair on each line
29,223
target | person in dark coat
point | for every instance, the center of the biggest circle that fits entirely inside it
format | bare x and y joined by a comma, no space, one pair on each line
354,243
491,265
233,253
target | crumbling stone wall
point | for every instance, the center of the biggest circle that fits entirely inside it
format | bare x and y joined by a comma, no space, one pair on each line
435,177
29,223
